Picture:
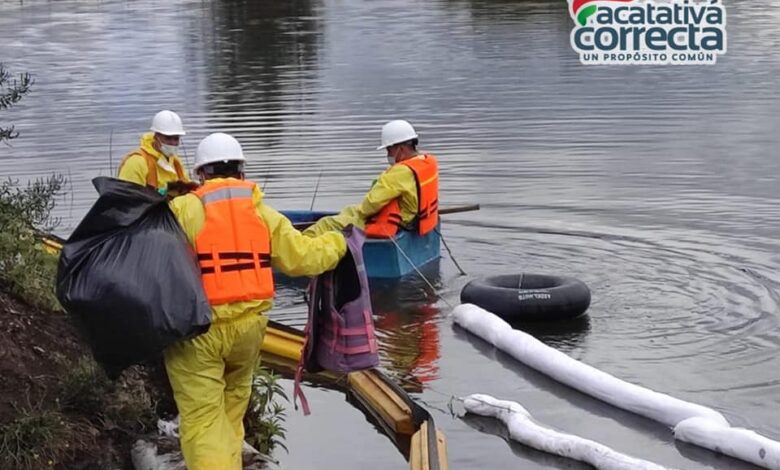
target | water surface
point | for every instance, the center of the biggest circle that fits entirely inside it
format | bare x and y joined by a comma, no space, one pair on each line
657,186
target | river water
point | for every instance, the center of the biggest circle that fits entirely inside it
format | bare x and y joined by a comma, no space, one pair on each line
656,186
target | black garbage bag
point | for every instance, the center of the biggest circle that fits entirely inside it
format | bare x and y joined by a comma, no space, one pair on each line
128,276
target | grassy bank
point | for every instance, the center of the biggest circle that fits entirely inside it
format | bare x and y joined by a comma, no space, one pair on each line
57,407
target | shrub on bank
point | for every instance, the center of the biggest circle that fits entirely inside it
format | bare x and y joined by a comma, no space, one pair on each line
27,269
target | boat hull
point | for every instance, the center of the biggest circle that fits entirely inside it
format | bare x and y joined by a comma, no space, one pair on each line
385,258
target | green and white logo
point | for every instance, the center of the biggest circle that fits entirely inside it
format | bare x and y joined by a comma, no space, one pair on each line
648,31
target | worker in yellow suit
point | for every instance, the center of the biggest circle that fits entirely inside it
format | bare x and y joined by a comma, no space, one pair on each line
155,163
404,194
237,239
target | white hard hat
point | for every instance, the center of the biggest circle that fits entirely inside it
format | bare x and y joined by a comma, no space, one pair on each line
167,123
395,132
218,147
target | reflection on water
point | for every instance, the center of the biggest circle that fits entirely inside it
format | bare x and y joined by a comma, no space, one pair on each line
656,186
255,49
407,323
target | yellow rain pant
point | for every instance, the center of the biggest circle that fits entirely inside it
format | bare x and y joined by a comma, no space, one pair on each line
211,377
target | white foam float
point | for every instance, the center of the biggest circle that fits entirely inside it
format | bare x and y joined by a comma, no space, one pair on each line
522,428
693,423
740,443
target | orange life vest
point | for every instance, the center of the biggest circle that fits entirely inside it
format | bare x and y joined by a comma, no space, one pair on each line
151,165
386,222
234,245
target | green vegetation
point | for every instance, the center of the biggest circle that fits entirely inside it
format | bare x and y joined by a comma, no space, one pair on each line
11,92
27,270
37,438
265,417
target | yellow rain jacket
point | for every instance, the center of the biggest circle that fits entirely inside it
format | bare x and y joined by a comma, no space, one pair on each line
135,169
395,182
211,374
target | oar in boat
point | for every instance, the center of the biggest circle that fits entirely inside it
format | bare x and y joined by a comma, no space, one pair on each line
456,209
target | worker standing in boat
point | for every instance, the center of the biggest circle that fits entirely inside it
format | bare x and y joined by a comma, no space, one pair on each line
404,195
155,163
237,239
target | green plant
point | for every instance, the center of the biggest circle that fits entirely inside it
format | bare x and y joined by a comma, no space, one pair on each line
36,438
265,416
27,270
11,92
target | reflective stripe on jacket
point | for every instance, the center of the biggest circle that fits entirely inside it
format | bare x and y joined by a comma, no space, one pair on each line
386,222
234,245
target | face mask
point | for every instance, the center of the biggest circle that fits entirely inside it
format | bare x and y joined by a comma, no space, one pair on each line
169,150
391,158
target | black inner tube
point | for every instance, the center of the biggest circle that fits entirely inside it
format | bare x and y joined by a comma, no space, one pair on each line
529,296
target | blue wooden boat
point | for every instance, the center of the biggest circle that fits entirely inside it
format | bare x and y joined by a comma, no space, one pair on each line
385,258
